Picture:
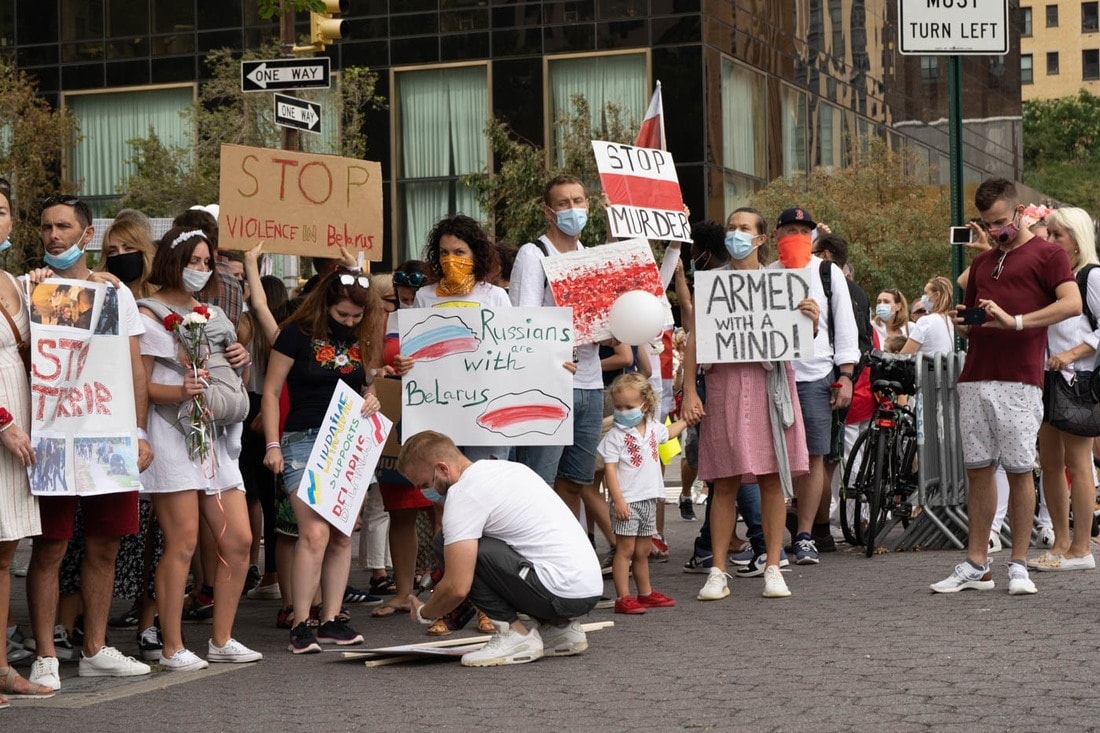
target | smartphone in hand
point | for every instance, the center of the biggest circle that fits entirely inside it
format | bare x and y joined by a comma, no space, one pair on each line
973,316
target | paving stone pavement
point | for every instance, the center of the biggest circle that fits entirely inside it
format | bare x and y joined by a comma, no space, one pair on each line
862,645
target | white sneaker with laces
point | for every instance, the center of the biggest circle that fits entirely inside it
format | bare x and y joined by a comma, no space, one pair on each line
563,641
110,662
965,577
716,588
234,652
995,542
184,660
774,585
44,672
1019,584
506,646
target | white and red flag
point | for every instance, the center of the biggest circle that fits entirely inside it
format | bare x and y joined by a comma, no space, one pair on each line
652,132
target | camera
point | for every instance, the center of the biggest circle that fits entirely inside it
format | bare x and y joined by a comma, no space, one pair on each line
962,235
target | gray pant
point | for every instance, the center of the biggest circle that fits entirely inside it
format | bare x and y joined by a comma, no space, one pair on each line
505,584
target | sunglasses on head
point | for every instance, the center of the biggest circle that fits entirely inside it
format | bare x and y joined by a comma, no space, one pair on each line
409,279
63,200
361,280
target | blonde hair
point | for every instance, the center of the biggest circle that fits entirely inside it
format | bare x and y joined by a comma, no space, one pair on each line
941,286
425,448
637,382
1078,225
133,234
383,285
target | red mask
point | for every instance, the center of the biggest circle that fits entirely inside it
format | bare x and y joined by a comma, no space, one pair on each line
794,251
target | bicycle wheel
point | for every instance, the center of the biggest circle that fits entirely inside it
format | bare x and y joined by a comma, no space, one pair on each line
876,500
852,490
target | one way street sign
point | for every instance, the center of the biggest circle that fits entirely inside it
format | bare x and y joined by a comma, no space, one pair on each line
297,113
274,74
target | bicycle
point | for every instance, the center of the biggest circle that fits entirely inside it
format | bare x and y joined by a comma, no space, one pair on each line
884,478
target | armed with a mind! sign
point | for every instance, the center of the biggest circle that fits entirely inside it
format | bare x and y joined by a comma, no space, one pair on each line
644,191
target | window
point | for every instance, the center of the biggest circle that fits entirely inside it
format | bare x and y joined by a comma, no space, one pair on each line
440,121
1027,72
1052,16
1025,22
1052,63
929,69
1090,64
1090,23
794,131
618,79
109,120
744,116
830,136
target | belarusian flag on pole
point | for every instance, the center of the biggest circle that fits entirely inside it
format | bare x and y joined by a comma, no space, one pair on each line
652,132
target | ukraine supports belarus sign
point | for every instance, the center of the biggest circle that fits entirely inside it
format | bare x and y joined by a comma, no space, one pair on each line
644,191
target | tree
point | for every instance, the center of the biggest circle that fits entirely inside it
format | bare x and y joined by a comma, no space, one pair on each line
512,195
896,227
269,9
1062,148
168,178
32,141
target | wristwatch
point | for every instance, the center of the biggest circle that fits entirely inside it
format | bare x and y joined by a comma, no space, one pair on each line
849,375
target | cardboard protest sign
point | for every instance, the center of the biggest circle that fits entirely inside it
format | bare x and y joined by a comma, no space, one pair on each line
644,191
489,376
751,315
590,281
336,478
83,421
388,392
299,203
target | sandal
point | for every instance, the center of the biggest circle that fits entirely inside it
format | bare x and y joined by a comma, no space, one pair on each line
484,625
439,628
9,679
388,609
384,586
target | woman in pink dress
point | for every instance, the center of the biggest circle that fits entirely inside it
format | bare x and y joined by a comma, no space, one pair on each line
751,426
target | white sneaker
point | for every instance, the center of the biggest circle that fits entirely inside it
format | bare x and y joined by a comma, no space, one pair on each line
966,576
1019,584
995,542
110,662
506,646
774,585
563,641
716,588
184,660
44,672
233,652
1046,537
269,592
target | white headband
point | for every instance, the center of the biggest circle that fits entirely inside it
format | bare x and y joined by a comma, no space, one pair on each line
187,235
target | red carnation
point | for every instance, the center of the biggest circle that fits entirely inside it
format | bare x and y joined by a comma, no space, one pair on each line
172,321
202,310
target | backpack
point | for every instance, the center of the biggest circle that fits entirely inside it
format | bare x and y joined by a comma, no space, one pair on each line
1083,285
862,315
226,397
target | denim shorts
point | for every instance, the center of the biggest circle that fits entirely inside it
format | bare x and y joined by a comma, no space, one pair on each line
296,449
578,461
817,414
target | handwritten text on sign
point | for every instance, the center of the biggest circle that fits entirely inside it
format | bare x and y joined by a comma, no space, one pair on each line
299,203
751,315
644,191
489,376
341,464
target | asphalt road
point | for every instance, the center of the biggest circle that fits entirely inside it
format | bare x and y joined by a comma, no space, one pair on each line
862,645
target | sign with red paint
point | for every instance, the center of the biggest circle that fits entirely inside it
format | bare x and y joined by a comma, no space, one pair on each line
590,281
341,465
83,420
488,376
644,191
299,203
751,315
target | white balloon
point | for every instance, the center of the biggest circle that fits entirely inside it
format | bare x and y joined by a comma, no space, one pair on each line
637,317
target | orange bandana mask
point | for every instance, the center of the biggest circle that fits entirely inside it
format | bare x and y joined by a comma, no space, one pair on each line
794,251
458,275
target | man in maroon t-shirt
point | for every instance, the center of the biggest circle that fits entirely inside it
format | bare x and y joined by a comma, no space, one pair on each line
1024,284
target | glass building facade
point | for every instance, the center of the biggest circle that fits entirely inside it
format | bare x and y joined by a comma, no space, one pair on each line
753,89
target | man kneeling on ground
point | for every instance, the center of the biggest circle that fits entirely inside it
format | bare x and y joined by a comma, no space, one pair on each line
511,546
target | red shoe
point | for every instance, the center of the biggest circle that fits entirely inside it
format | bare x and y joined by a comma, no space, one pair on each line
656,600
628,604
658,552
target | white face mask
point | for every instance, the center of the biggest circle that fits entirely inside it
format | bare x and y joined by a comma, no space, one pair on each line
194,280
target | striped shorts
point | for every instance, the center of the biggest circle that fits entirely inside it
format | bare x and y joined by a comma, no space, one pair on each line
642,521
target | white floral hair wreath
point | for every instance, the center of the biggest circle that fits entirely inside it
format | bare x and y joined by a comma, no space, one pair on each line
187,235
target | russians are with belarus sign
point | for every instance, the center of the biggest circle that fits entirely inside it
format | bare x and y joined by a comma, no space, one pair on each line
751,315
950,27
644,191
299,203
341,464
488,376
83,422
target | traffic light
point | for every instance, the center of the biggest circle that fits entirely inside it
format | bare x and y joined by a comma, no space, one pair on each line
324,28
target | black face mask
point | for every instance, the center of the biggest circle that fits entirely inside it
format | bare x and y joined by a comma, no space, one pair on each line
126,267
339,331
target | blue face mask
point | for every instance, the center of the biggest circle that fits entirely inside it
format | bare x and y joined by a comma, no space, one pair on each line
432,495
884,311
68,258
628,418
6,244
572,221
739,244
